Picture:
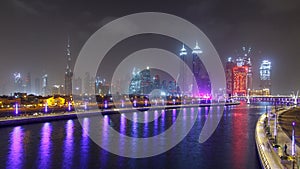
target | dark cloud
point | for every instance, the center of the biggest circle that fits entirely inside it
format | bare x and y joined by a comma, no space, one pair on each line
34,32
22,5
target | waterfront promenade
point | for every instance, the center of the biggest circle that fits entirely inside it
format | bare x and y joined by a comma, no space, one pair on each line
271,149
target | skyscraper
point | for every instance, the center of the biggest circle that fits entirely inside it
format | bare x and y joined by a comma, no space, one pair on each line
28,83
200,73
229,76
37,86
45,87
77,86
239,73
68,73
183,55
265,74
240,80
146,81
18,82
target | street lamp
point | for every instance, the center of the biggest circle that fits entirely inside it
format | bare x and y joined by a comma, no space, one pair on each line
17,109
275,127
46,107
293,142
248,96
293,139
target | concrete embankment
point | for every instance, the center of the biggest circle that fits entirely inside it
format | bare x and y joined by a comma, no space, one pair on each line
21,120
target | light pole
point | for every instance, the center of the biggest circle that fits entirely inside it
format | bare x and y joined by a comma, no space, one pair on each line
275,127
17,109
248,96
293,142
46,107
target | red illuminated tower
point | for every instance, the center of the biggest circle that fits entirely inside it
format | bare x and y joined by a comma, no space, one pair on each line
240,80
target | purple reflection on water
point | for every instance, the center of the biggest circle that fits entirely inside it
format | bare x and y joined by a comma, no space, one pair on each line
174,115
84,143
15,157
135,125
123,124
146,129
105,130
105,140
17,109
68,144
156,117
163,121
45,145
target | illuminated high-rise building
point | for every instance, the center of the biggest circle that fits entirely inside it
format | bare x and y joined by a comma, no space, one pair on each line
146,81
27,84
183,57
239,73
89,84
101,87
246,55
18,82
265,74
135,84
45,87
229,75
68,73
37,86
240,80
77,86
200,73
156,82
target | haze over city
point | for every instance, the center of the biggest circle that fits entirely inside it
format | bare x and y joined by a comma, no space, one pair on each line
34,33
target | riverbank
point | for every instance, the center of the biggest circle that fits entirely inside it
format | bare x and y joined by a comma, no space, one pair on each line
270,148
21,120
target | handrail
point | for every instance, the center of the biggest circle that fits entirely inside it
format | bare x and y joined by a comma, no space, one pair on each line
262,155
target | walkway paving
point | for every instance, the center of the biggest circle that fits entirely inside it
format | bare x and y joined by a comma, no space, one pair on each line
272,157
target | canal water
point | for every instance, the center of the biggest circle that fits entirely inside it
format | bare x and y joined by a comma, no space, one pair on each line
65,144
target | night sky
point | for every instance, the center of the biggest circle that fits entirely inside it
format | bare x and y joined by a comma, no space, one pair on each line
33,33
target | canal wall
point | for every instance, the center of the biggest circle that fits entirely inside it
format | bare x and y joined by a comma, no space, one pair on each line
22,120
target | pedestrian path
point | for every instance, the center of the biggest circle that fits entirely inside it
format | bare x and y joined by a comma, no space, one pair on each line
272,154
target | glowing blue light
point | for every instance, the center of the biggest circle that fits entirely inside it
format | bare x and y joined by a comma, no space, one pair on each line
197,49
105,104
229,59
85,105
69,106
46,108
293,140
146,102
134,103
122,102
183,51
17,109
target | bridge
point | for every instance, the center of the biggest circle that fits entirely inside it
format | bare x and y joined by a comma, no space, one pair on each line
279,99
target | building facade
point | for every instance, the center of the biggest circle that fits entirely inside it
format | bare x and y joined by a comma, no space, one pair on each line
265,75
68,72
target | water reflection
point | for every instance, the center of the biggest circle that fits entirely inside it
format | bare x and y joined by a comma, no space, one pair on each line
54,147
15,157
68,144
84,143
45,145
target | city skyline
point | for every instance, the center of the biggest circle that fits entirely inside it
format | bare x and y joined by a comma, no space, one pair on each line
88,84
